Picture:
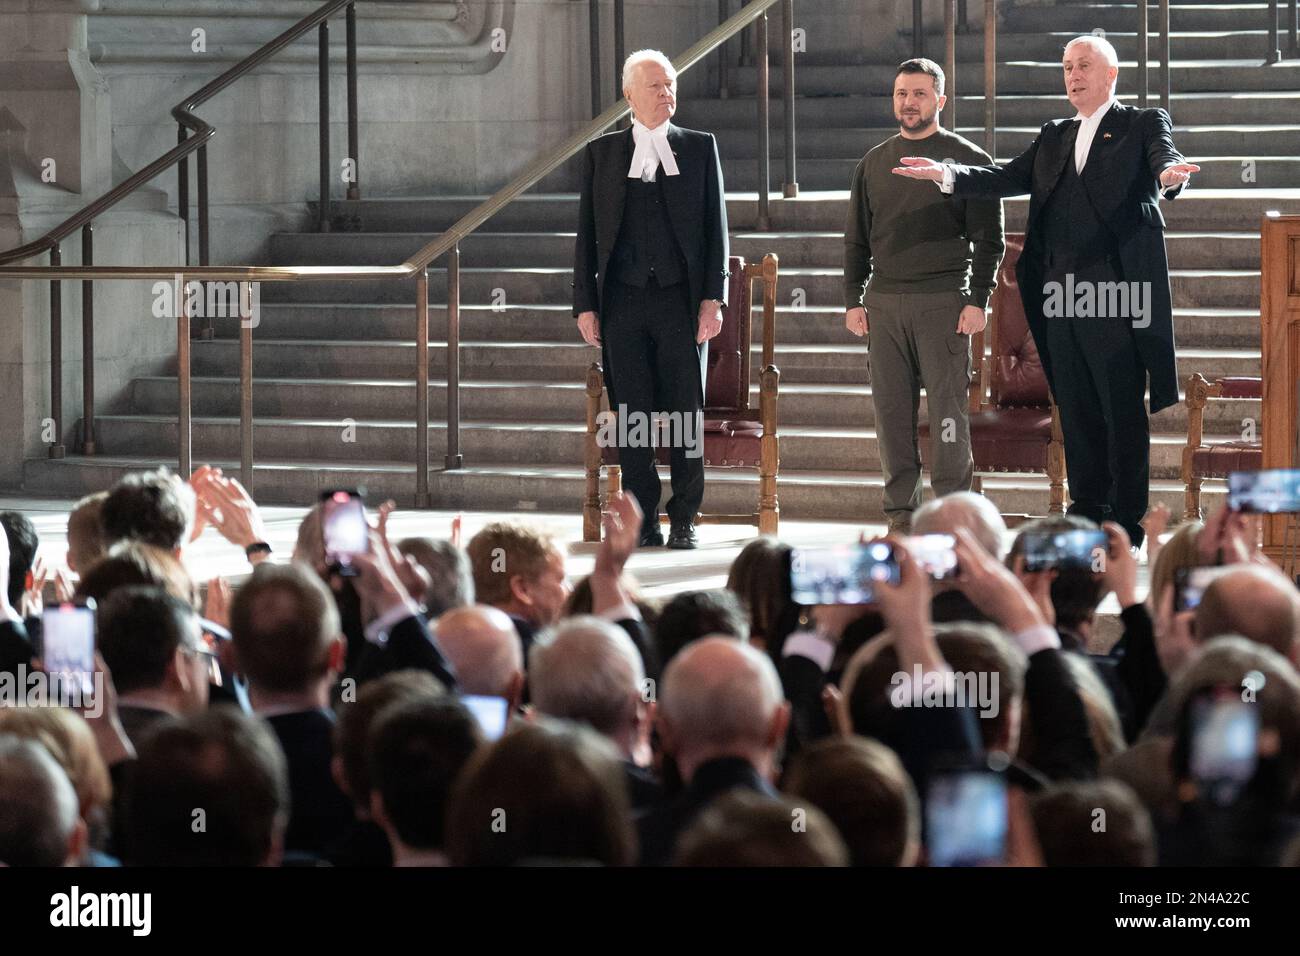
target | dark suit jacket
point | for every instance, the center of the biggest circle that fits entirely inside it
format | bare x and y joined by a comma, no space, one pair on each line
15,647
696,207
319,813
409,646
659,829
1130,149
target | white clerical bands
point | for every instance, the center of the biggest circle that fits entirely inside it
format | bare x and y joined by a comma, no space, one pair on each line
651,151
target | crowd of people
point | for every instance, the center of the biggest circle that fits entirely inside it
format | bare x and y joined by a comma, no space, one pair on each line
445,705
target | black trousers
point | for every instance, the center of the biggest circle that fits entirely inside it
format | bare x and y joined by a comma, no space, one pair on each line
653,364
1100,386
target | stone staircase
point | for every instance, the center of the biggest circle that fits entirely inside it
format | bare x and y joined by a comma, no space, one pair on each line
334,363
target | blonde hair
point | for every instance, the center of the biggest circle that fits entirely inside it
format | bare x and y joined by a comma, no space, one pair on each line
1178,552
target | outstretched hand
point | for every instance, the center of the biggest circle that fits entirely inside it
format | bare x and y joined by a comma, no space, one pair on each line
918,167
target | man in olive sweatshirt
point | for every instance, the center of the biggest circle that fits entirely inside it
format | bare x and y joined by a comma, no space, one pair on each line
918,272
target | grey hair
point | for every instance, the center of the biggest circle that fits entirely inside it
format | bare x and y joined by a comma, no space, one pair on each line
1098,43
938,516
587,670
646,56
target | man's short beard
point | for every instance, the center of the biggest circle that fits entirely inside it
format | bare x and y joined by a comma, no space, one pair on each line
921,121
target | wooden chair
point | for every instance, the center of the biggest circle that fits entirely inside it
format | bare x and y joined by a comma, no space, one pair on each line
735,435
1016,428
1217,460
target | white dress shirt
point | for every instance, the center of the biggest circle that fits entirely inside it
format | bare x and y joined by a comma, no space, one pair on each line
652,149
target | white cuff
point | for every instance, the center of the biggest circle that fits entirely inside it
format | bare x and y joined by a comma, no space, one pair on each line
1035,639
377,630
947,185
811,645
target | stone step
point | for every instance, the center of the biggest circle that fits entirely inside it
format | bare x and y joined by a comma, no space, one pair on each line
1198,208
1278,140
1217,172
811,405
877,109
1225,288
839,362
1119,17
1236,35
1242,75
850,496
1229,250
802,447
1203,327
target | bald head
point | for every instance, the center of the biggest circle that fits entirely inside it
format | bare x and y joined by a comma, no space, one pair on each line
591,672
722,698
1255,602
963,509
484,648
39,813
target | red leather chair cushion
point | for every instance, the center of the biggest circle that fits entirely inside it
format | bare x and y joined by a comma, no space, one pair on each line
1242,387
1216,461
732,442
1007,439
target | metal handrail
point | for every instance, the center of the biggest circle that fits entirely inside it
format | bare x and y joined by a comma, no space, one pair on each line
416,267
183,113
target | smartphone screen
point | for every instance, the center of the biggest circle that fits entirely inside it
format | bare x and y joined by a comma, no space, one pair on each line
68,645
1078,550
1272,491
966,819
842,573
935,554
1190,585
1224,744
492,713
344,529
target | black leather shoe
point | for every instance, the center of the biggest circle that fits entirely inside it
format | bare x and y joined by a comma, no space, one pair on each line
683,537
651,538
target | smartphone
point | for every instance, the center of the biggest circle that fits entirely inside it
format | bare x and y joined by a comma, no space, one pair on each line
344,529
492,713
1224,743
1272,491
68,645
1077,550
936,555
1190,585
966,818
841,573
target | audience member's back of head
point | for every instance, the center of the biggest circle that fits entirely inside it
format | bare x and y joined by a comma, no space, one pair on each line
1178,553
417,750
548,792
1076,592
970,649
860,784
451,579
484,649
588,671
963,509
760,578
1254,602
139,629
1093,823
695,614
152,507
356,719
221,768
23,544
721,698
69,740
134,563
283,623
86,543
39,815
741,828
